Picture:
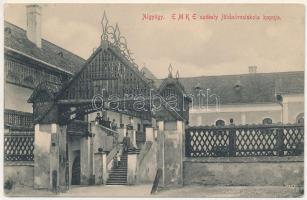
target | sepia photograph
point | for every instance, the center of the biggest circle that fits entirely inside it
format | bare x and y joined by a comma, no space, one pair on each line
153,100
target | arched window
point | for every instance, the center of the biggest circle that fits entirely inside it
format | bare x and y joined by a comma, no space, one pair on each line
220,123
300,118
267,121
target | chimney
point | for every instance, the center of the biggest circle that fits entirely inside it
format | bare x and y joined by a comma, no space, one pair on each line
34,24
252,69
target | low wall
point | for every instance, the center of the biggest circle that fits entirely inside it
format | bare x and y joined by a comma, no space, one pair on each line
147,167
101,139
243,171
19,173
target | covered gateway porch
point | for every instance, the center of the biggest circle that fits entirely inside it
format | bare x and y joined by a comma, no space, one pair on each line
70,147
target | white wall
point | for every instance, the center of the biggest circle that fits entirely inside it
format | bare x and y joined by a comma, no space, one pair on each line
293,105
16,97
250,113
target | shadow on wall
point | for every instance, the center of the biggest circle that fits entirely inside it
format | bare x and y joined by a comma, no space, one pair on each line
15,175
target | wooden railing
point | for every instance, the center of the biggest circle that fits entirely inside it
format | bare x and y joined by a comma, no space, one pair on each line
238,141
13,118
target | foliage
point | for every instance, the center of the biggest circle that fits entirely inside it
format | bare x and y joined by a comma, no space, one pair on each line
8,184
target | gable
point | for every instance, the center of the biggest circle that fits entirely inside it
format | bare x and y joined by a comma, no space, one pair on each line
106,71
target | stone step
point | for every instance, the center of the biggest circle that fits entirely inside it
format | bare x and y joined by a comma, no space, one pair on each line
123,180
116,183
117,175
118,172
118,179
119,169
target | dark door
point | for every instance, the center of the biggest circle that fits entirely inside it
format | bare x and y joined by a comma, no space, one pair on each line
54,180
75,179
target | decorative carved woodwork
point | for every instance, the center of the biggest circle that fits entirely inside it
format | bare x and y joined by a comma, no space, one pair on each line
45,109
13,118
22,73
177,101
111,75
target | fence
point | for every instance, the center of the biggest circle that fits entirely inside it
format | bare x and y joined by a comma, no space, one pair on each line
241,141
19,145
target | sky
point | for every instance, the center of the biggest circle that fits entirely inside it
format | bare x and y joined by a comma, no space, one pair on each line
194,48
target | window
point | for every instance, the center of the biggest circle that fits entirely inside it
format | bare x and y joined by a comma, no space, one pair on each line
220,123
267,121
300,118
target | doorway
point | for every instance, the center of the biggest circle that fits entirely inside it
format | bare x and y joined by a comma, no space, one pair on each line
75,179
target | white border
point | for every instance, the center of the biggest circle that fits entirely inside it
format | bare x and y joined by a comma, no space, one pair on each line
121,1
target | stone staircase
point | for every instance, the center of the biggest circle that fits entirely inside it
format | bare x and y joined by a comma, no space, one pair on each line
118,175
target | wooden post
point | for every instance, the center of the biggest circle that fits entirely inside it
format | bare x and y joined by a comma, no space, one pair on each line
232,142
280,141
187,144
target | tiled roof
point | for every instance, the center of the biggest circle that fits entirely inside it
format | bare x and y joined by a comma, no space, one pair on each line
245,88
16,38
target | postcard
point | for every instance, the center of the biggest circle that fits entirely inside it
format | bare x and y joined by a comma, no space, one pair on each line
153,100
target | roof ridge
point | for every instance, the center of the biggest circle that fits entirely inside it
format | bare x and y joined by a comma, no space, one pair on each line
263,73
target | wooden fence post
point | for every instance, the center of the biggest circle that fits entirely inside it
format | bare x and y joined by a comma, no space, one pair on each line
232,142
280,141
187,143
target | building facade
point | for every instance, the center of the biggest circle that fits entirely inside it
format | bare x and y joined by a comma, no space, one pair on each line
254,98
64,142
28,61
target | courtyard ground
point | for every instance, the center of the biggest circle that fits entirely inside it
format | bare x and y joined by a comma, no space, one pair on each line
144,191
